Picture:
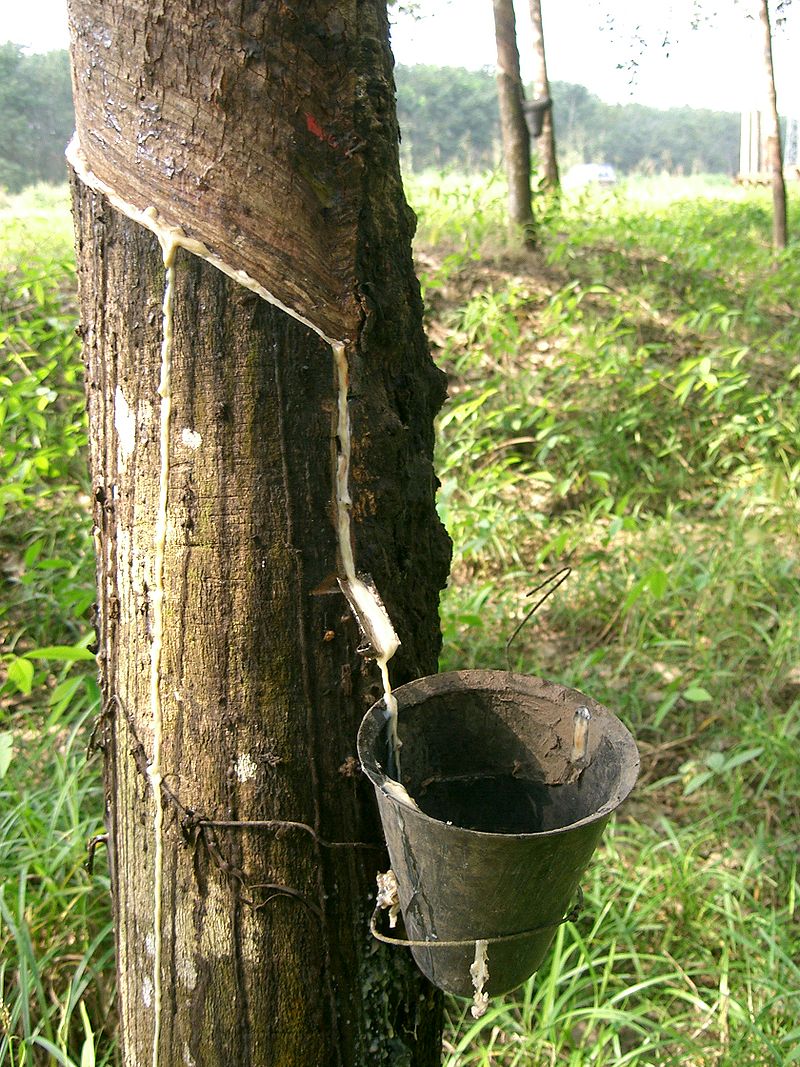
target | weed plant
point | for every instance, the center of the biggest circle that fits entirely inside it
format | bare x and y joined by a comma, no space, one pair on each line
624,402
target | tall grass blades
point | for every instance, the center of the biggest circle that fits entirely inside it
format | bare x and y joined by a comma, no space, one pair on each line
56,985
627,403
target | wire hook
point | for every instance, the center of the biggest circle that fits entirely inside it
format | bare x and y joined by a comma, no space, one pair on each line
550,584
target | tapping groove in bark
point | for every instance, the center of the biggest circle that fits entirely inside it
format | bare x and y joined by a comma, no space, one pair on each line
172,234
262,688
773,134
513,126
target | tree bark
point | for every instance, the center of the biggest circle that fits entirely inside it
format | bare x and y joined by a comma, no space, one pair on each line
773,135
266,960
513,126
546,141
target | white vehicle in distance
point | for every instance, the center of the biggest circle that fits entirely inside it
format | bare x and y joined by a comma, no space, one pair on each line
583,174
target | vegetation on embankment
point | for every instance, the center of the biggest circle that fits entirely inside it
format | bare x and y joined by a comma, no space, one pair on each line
625,403
448,118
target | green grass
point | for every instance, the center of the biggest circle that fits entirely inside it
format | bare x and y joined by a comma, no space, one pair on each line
625,402
56,969
666,968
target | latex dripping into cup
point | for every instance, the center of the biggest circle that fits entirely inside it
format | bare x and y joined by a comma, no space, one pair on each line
365,602
508,783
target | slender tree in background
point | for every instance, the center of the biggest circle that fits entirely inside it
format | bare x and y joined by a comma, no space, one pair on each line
773,133
233,689
546,141
513,126
35,116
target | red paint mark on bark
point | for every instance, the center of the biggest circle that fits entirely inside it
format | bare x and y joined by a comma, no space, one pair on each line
314,127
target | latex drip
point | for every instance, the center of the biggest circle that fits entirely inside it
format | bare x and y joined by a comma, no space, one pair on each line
168,248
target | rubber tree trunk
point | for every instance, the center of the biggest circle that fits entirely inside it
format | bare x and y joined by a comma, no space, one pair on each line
271,139
546,141
774,159
513,127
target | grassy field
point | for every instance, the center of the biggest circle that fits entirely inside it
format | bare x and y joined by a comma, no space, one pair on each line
625,402
56,945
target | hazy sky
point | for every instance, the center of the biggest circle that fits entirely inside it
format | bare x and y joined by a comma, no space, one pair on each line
716,65
713,66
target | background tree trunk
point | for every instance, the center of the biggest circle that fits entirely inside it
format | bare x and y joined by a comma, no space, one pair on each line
274,141
773,135
546,141
513,126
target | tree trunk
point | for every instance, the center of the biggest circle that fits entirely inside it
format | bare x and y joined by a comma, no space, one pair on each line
773,135
546,141
513,126
228,654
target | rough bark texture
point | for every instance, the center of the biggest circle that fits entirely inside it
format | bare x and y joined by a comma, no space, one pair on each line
546,141
267,961
513,127
774,159
237,127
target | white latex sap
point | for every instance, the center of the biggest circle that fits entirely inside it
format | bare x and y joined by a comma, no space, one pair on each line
168,249
479,973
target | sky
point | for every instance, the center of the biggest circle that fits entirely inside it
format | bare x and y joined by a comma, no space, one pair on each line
716,65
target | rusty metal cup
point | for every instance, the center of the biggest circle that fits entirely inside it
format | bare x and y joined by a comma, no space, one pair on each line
504,815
